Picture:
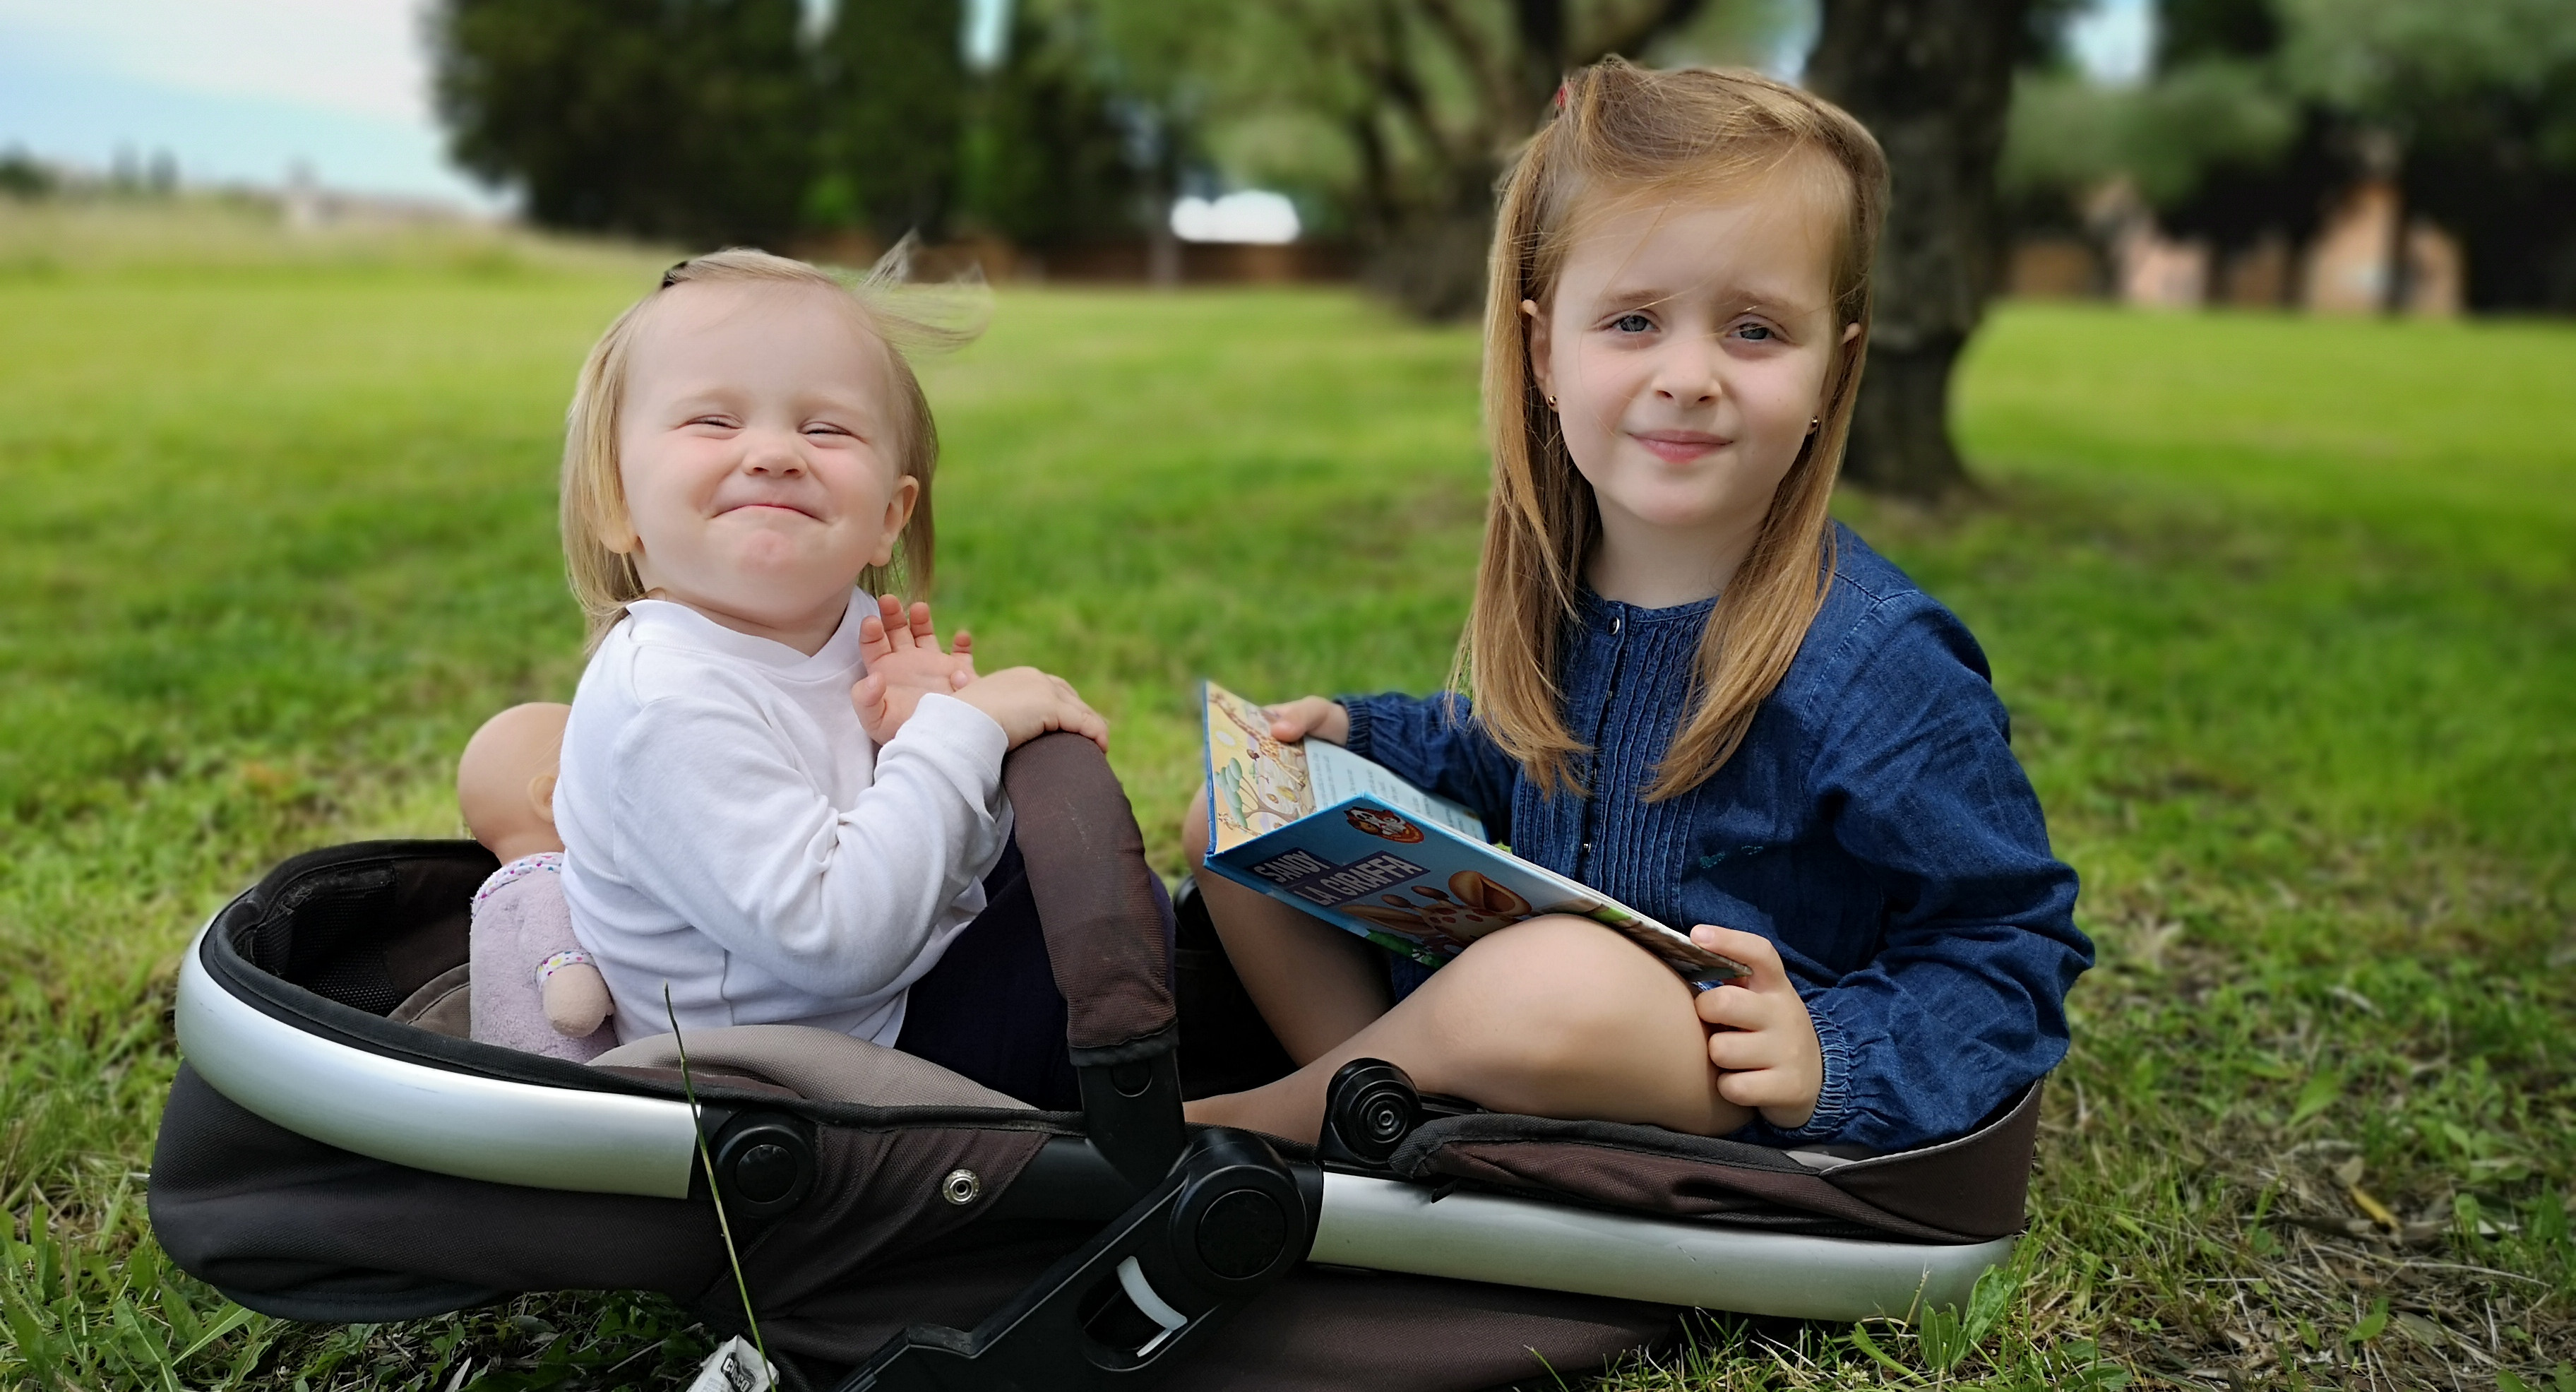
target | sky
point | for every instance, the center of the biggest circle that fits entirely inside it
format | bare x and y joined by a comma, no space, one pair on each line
240,91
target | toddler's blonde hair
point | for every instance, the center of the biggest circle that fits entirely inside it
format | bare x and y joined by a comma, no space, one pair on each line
1621,132
895,314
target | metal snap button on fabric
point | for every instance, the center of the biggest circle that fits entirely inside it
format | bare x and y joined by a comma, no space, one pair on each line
961,1187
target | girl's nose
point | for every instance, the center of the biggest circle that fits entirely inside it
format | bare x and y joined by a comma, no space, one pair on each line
1686,373
771,454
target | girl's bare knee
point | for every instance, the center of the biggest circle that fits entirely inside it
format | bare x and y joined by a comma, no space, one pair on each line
1555,992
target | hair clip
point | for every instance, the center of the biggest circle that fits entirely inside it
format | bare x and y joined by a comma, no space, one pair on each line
1560,96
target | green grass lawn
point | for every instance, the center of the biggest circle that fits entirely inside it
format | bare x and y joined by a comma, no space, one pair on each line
2285,611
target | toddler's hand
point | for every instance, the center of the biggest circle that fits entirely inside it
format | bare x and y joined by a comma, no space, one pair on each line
1309,715
905,663
1028,703
1764,1042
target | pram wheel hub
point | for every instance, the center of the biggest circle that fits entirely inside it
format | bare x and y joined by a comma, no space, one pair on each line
764,1165
1369,1108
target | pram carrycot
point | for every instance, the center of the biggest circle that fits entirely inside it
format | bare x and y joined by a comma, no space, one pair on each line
334,1151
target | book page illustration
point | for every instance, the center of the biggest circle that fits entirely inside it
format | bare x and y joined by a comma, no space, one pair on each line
1256,784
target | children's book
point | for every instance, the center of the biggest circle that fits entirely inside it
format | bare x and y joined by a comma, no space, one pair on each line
1318,827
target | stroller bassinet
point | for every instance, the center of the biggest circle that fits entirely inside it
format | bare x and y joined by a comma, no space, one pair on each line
333,1150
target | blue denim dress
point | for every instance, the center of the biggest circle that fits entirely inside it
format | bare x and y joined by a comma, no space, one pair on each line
1874,824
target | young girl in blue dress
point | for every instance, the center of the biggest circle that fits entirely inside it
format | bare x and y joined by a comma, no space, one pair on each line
1687,686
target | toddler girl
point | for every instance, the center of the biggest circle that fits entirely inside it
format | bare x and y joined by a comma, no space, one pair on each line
779,796
1692,689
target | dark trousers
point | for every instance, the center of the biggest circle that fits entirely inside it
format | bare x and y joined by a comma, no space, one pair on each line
989,1009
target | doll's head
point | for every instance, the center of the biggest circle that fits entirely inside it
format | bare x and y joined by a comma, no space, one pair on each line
505,783
1678,308
750,441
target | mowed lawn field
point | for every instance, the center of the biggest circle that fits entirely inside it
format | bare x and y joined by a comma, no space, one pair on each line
2285,611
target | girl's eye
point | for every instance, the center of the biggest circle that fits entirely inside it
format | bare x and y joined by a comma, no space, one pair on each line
1756,332
1633,324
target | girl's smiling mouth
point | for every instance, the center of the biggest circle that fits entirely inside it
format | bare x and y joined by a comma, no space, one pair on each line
1678,446
766,505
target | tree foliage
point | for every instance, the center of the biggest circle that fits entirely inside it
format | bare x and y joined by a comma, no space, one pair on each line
887,76
1390,120
679,118
2260,110
733,121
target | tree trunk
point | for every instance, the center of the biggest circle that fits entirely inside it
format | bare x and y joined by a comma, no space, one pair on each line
1932,79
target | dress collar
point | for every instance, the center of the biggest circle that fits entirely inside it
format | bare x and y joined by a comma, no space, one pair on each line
1611,616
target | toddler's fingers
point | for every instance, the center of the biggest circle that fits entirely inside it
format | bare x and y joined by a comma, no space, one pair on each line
1080,718
921,629
872,637
964,650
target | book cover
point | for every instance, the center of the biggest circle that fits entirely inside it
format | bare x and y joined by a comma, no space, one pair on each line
1318,827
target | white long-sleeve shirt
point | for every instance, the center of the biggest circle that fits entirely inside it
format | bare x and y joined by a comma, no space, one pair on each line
730,829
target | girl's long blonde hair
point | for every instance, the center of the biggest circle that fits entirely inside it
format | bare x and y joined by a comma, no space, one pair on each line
902,317
1621,131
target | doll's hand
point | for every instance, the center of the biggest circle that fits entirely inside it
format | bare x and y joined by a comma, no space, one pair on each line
905,663
1309,715
1764,1043
1028,703
576,999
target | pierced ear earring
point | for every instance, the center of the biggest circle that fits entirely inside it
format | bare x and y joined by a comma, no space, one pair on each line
1551,403
1815,423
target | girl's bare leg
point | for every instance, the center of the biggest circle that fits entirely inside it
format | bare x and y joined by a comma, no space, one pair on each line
1315,984
1553,1017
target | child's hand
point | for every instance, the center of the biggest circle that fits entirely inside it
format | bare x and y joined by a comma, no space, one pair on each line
1764,1041
1028,703
905,663
1309,715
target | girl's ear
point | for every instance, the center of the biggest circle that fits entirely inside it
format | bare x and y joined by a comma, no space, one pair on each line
907,493
1541,370
617,532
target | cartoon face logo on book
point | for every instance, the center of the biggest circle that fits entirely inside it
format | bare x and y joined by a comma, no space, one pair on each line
1384,825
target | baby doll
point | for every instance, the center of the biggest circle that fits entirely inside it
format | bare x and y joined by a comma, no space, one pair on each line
533,988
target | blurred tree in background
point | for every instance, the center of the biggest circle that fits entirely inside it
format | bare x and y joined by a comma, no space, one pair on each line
1389,121
689,119
2258,111
711,122
1933,80
1053,154
890,89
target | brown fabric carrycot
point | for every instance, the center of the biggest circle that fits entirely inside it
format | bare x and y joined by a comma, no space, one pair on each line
332,1151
